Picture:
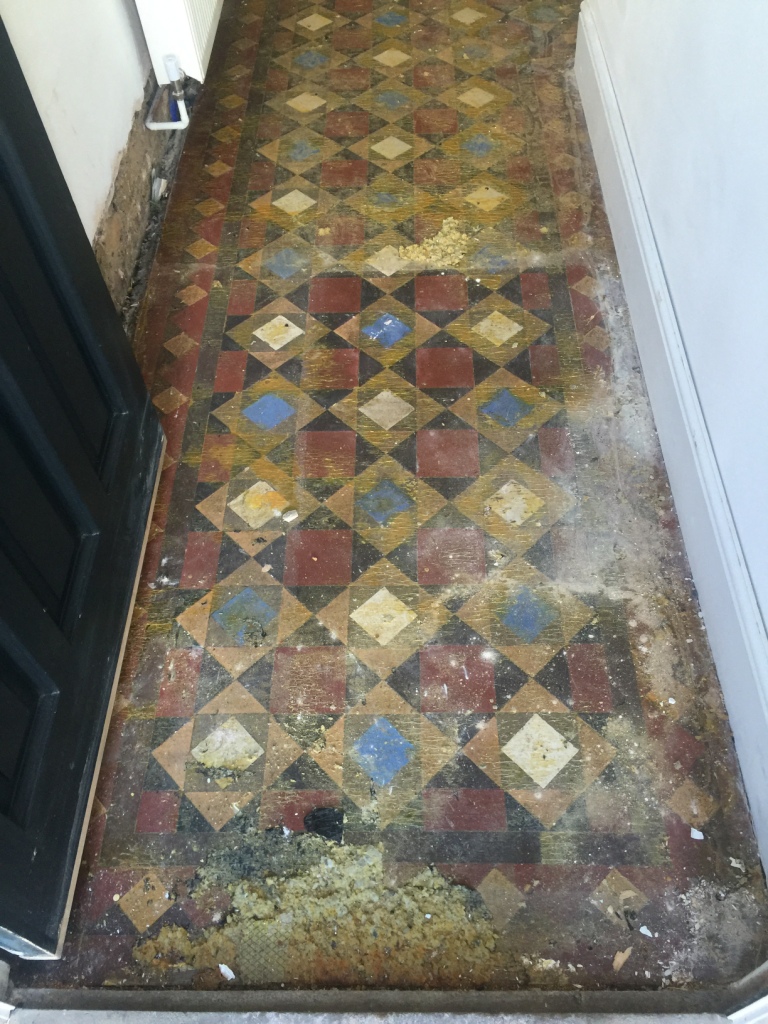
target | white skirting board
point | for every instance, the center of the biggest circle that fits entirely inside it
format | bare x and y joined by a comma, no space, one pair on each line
734,624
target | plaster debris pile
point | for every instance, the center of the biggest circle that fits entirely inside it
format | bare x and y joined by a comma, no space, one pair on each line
447,248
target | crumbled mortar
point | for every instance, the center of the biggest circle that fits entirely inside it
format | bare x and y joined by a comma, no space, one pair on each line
447,248
307,911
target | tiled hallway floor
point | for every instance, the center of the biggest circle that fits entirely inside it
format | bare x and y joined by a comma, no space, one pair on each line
414,559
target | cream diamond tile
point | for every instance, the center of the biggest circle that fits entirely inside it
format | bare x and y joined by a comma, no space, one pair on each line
387,261
392,147
230,746
278,332
539,750
314,22
386,409
306,102
392,58
497,328
258,504
515,503
467,16
476,97
494,347
485,197
615,895
295,202
383,616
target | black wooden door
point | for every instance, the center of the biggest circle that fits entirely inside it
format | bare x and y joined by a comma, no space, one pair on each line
79,451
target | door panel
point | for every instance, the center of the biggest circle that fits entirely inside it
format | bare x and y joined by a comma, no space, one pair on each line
79,451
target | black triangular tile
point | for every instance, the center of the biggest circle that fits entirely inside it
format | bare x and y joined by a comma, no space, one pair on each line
274,555
483,367
554,677
369,294
520,366
325,421
304,773
255,371
190,819
364,555
456,632
323,519
312,634
519,819
406,367
447,420
490,454
446,396
315,598
307,728
230,345
233,321
405,680
360,680
257,680
542,556
405,453
528,452
461,773
406,294
508,680
321,488
365,454
291,370
231,557
512,291
476,292
404,558
450,486
329,398
368,367
332,320
213,678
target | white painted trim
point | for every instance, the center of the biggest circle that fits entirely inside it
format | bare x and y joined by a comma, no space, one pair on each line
755,1013
735,626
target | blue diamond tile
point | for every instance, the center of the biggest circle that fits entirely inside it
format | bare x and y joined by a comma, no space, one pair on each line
491,260
382,752
385,502
390,18
479,145
301,150
392,99
528,616
269,411
311,59
506,408
387,330
386,199
241,613
287,262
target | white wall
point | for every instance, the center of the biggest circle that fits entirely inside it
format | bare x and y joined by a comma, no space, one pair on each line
86,65
690,78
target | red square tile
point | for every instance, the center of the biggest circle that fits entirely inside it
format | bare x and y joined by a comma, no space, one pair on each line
340,231
534,285
201,560
436,172
180,675
349,80
216,461
288,810
449,555
277,80
331,369
344,174
433,76
456,678
316,558
352,39
230,371
444,368
429,35
262,172
325,453
253,231
158,812
435,121
556,451
590,683
242,298
342,124
464,810
313,679
442,453
441,291
519,169
335,295
545,364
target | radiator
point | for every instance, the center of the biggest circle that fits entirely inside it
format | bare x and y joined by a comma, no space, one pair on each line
183,29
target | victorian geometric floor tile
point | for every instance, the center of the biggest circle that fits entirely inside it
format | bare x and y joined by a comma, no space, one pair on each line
416,694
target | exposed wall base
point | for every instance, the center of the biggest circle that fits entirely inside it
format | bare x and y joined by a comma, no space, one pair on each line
735,627
127,214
